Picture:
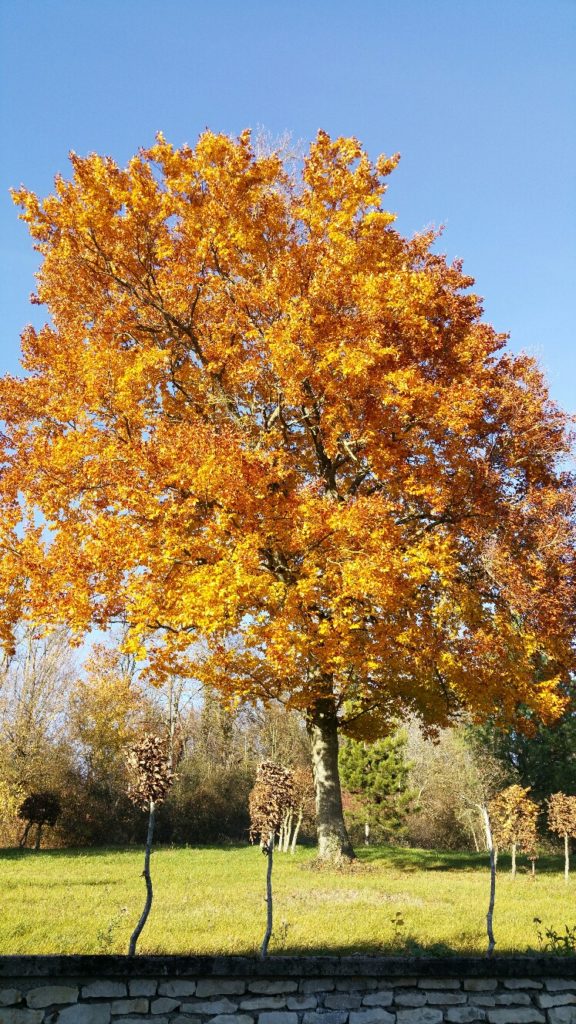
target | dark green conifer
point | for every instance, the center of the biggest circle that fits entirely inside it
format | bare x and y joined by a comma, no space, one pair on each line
377,775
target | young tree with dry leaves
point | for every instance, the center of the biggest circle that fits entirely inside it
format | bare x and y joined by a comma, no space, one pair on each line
491,847
272,796
513,819
290,436
562,821
506,819
150,780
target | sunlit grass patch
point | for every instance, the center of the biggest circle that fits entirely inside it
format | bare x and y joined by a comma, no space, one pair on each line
211,900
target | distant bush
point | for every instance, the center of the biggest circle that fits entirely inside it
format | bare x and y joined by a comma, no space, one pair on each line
207,805
40,809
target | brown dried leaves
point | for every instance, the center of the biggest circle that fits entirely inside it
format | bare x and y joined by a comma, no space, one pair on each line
272,795
562,814
150,772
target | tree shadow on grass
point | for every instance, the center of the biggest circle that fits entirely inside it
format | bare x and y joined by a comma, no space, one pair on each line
409,946
406,859
412,860
81,852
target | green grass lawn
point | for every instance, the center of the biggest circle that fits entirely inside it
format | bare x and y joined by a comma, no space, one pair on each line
212,901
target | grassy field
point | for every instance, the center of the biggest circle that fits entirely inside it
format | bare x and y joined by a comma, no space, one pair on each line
211,901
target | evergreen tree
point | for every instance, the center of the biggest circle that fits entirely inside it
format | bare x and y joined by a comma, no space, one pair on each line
377,774
543,757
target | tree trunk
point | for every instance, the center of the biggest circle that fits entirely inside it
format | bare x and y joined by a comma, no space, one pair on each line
493,855
566,858
38,836
269,851
287,831
490,914
322,725
513,860
25,835
296,830
148,879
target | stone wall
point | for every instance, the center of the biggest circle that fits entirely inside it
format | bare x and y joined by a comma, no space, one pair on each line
286,990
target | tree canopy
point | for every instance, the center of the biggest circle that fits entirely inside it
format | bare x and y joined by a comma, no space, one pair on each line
262,420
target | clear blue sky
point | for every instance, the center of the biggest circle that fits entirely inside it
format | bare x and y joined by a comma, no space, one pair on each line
479,96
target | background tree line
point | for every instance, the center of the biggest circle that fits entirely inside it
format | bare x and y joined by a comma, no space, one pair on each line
67,730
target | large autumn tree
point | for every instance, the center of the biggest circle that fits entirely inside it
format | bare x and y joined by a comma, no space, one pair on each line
276,440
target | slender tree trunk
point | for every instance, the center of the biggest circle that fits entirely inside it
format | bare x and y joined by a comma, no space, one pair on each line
147,878
533,867
566,857
490,914
270,854
366,833
287,831
474,837
25,835
513,860
322,725
171,724
296,830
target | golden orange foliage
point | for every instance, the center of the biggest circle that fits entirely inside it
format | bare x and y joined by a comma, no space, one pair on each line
514,818
262,418
106,710
562,814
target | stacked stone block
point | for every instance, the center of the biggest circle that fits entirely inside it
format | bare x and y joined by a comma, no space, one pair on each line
333,998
